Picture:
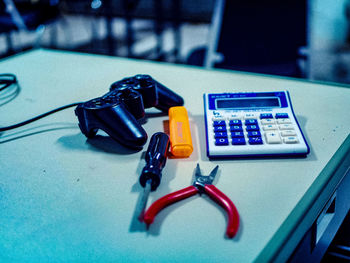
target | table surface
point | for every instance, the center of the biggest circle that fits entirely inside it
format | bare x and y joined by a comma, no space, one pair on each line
64,197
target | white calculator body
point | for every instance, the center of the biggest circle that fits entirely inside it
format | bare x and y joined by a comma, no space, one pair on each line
252,124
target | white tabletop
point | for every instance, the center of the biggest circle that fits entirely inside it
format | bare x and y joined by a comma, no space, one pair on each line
68,199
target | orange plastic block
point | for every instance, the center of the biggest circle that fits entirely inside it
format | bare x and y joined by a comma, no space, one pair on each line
180,133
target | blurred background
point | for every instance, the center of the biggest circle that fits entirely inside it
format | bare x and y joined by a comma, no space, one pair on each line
301,38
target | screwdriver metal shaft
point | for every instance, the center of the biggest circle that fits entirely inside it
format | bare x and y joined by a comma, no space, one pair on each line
144,199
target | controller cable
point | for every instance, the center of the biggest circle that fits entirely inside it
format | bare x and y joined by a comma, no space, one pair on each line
7,80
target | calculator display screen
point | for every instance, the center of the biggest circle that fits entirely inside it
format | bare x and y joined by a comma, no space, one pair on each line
247,103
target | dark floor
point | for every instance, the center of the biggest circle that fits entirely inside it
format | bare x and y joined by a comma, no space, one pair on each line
339,250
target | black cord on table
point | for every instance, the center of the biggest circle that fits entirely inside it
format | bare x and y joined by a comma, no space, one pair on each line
6,80
37,117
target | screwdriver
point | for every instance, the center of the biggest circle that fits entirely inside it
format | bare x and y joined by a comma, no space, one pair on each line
151,174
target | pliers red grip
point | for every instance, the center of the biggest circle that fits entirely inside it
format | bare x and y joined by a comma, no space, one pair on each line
202,184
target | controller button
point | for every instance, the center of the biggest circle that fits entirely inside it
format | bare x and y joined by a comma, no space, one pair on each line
127,82
97,102
108,100
125,92
143,77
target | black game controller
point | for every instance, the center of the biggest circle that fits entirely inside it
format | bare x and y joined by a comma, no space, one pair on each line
117,112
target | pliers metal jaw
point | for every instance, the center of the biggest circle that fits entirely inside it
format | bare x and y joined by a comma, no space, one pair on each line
202,184
200,181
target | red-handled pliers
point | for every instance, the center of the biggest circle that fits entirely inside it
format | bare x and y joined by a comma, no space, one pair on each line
202,184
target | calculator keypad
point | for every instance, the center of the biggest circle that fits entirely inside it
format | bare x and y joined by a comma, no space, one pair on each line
254,129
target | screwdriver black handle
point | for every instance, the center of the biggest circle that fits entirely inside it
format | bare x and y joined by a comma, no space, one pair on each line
156,156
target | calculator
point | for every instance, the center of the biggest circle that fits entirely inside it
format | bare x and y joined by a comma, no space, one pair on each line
252,124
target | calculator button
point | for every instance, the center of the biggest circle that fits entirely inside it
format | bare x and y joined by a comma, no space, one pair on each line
234,116
266,116
281,115
252,127
284,121
288,133
238,141
255,140
251,122
219,123
220,135
218,118
286,127
221,141
267,121
254,134
269,127
248,116
236,128
235,122
290,139
237,134
219,128
273,137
